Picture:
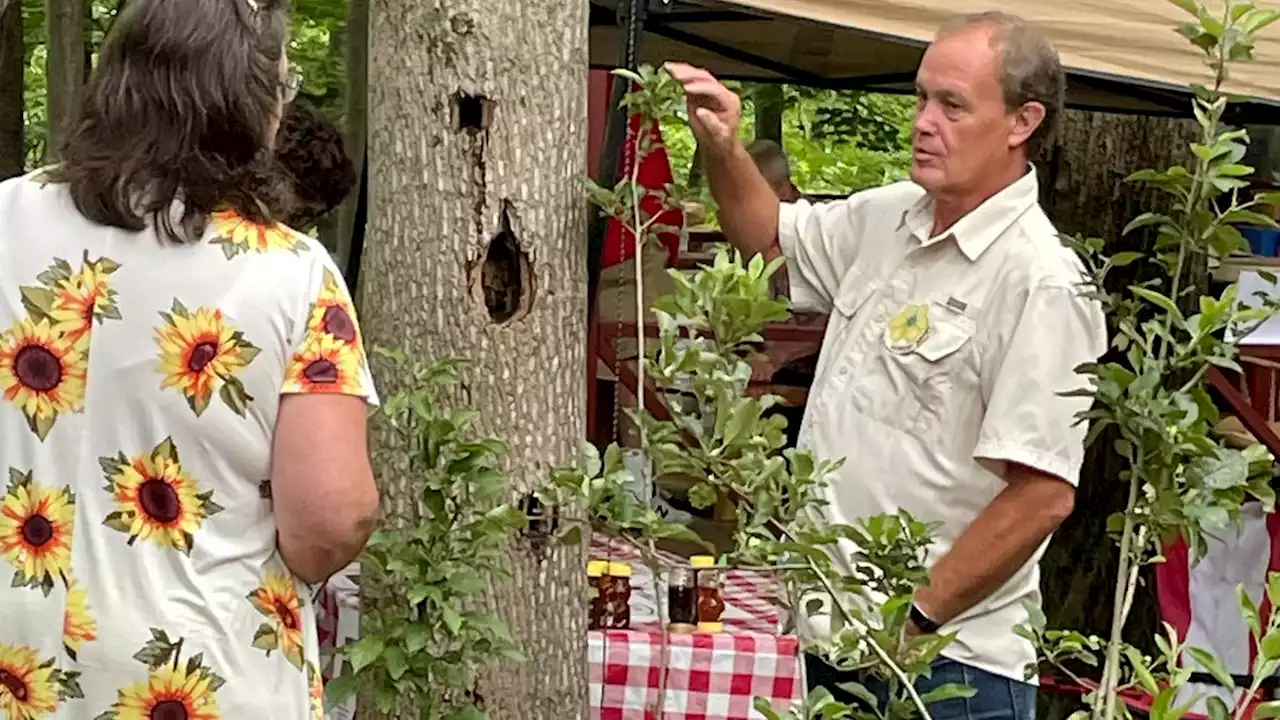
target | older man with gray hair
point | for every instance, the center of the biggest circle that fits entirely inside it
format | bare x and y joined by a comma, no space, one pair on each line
956,323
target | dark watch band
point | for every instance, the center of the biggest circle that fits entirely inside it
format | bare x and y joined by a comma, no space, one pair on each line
926,624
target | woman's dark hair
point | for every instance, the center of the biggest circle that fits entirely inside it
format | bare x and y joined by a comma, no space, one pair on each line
311,154
181,108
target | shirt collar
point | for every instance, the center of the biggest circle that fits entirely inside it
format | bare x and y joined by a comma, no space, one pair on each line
975,232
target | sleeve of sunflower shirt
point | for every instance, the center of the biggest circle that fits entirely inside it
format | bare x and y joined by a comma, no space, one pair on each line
1027,419
327,352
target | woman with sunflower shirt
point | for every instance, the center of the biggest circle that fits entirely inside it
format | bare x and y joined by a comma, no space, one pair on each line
183,393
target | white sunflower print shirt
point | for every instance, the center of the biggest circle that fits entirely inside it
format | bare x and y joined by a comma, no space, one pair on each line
139,385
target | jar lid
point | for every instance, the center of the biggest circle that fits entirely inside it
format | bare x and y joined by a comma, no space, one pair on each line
702,562
618,569
681,628
597,568
710,627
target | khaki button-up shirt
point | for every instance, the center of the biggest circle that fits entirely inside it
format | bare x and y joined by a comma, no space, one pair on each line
944,359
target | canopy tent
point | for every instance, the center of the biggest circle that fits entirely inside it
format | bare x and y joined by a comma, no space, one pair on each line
1120,55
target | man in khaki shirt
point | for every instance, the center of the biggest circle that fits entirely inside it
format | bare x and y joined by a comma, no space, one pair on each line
956,322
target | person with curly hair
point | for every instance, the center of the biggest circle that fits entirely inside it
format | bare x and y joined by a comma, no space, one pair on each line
312,156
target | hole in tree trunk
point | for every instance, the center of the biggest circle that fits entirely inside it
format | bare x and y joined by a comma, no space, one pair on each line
471,113
506,278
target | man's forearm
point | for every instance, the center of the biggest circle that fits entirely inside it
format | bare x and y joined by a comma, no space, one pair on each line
997,544
746,205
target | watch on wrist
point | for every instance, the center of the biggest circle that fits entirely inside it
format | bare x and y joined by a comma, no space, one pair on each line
926,624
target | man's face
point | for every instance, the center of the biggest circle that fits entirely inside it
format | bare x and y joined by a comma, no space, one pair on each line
962,128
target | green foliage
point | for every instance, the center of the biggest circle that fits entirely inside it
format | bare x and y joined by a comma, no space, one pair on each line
1154,398
315,49
427,642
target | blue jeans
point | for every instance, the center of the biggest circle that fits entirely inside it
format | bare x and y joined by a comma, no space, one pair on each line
998,698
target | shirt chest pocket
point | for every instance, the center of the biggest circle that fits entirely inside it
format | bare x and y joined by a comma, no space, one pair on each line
913,359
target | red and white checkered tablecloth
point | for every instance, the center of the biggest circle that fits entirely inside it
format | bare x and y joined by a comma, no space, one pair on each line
709,676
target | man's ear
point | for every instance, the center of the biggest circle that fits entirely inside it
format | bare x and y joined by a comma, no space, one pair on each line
1026,120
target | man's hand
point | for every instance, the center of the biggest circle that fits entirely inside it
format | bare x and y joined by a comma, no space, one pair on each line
715,112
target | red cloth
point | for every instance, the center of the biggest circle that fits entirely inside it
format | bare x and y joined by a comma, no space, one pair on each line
655,172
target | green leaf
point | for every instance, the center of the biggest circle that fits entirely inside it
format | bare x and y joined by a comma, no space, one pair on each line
1157,299
1218,709
1270,645
337,690
393,659
1270,709
416,637
861,692
1187,5
1213,666
1122,259
452,619
949,691
365,651
1249,611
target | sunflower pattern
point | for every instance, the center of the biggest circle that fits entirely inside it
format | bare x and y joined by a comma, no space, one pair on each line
156,500
908,327
78,626
331,357
237,235
36,523
42,373
277,600
315,687
31,688
69,543
173,689
44,356
200,352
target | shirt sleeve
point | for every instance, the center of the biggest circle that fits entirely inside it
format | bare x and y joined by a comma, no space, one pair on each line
1027,420
816,241
327,352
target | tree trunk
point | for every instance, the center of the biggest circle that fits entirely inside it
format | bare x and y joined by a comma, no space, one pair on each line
1083,191
355,120
769,105
476,248
12,139
65,68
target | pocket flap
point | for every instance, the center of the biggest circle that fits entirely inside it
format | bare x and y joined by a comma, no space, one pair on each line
945,337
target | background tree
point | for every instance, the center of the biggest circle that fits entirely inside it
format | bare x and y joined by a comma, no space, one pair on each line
65,68
477,140
12,143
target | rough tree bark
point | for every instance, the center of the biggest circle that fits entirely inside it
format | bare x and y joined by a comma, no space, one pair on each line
1082,190
355,118
65,66
476,248
12,140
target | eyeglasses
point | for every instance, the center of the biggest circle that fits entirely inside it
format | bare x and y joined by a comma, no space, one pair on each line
290,85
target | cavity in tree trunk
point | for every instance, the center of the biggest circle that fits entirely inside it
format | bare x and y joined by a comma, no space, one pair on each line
65,67
1083,191
476,248
12,140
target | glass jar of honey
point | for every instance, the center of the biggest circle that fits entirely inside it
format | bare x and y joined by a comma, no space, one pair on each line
618,599
682,596
597,579
710,592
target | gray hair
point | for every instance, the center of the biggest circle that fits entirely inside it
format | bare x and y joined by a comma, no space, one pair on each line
770,159
1030,68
